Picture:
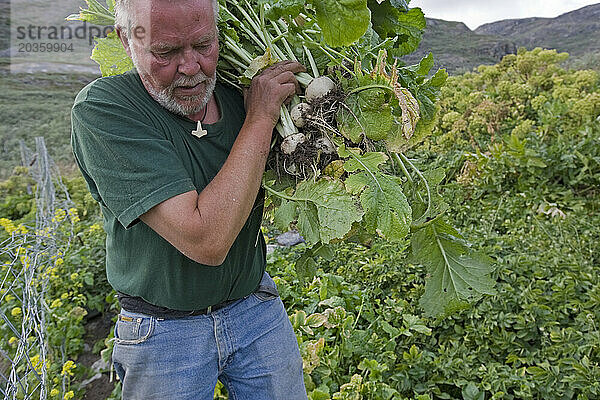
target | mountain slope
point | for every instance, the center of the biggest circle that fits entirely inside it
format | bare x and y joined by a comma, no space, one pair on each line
576,32
459,49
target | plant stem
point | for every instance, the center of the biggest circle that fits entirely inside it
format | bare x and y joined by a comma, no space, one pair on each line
282,195
367,87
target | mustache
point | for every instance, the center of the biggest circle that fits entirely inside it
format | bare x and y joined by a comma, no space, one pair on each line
189,80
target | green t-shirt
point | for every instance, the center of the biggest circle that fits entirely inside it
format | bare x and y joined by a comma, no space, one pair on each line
134,154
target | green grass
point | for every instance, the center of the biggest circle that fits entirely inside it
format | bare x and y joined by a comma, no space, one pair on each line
37,105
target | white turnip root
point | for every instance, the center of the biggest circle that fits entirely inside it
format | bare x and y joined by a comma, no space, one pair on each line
319,87
298,113
289,144
325,145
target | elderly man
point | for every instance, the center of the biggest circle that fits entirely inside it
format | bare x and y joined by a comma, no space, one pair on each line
182,212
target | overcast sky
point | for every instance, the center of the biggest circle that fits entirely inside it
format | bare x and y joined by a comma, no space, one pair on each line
474,13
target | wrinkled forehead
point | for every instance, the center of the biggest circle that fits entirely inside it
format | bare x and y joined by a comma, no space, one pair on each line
152,17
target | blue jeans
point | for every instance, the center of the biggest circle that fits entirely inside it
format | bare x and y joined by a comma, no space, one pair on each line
249,346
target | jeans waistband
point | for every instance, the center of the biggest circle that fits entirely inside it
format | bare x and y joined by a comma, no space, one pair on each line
136,304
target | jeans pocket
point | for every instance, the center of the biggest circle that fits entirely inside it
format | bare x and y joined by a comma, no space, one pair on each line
265,296
267,290
133,329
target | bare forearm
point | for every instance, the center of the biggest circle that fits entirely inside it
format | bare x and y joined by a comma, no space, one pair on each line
227,201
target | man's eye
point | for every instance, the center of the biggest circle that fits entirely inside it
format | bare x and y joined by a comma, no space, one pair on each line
203,47
164,54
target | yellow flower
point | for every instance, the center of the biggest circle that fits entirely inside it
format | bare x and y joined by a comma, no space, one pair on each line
16,311
74,276
8,225
9,297
59,261
69,395
54,392
37,364
74,215
56,303
64,296
35,361
59,215
25,261
12,341
94,228
66,369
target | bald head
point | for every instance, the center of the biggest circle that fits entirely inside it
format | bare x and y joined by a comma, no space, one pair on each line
126,13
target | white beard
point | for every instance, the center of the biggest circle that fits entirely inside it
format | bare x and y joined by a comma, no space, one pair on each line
194,104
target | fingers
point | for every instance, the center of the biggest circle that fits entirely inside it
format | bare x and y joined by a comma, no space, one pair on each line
274,86
284,66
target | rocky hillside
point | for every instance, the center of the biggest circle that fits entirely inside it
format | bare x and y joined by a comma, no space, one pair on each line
576,32
459,49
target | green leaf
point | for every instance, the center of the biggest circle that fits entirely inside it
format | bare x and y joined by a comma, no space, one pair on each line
342,22
471,392
319,395
111,56
384,17
425,65
327,211
323,250
393,332
356,183
306,267
284,214
455,272
414,323
315,320
369,161
283,8
439,79
400,4
411,25
308,221
368,113
391,19
387,211
96,13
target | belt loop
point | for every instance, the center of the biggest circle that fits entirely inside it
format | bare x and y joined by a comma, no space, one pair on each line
209,309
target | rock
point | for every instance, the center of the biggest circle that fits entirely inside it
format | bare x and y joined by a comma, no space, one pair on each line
271,248
100,365
92,379
290,238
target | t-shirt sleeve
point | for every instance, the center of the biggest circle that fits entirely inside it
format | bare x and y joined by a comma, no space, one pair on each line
129,165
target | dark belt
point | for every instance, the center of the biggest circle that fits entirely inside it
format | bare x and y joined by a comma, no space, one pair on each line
209,309
136,304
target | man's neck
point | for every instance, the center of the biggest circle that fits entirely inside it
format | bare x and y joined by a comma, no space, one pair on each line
210,115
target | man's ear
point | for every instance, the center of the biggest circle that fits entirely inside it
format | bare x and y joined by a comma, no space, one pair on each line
124,40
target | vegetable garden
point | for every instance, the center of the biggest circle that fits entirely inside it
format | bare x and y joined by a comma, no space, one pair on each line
375,295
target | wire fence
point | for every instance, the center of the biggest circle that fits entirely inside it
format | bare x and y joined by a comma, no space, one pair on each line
28,258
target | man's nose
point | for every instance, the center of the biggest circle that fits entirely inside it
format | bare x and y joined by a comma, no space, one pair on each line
189,63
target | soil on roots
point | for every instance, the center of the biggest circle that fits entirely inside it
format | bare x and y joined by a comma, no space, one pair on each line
310,157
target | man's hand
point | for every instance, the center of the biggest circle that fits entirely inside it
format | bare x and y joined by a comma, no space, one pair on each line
270,89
